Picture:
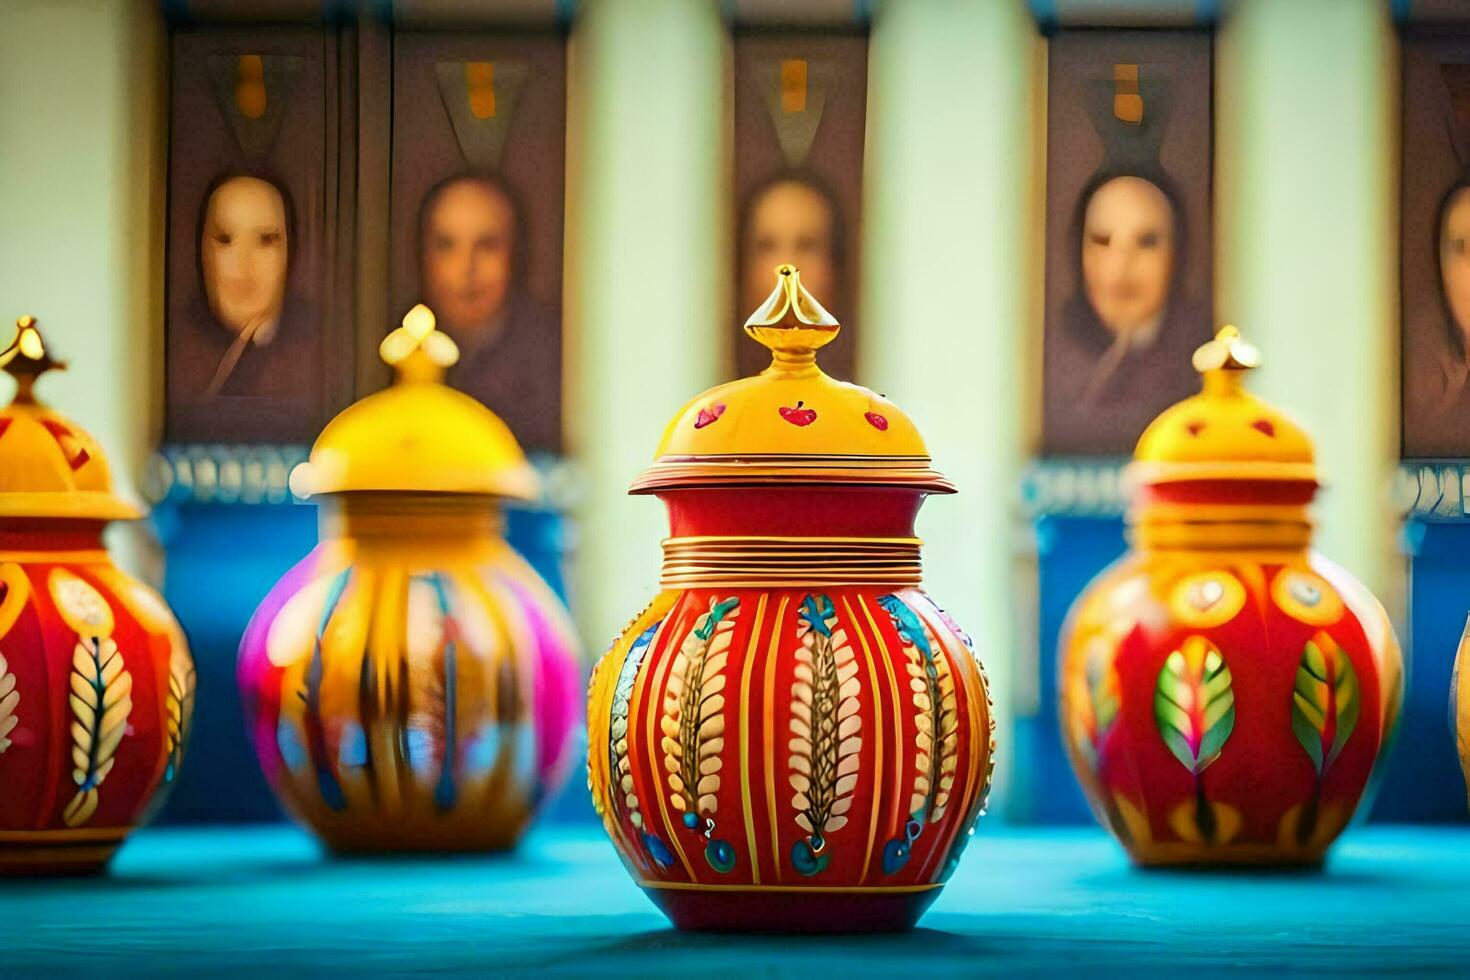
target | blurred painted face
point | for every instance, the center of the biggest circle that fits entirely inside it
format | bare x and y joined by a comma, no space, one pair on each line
789,223
244,250
469,236
1127,253
1454,257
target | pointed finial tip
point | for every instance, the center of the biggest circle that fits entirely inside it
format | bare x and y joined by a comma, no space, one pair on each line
791,323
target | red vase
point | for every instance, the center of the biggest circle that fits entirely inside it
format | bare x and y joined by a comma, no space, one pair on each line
96,681
1225,691
792,736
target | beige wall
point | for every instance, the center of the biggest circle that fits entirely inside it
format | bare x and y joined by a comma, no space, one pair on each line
951,224
1307,245
82,167
647,286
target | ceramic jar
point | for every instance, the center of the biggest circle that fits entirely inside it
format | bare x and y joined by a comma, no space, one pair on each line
96,681
1226,691
1460,704
412,684
792,736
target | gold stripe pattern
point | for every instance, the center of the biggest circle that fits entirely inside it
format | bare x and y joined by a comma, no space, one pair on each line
784,469
754,561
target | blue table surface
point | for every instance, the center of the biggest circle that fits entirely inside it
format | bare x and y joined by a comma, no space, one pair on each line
244,900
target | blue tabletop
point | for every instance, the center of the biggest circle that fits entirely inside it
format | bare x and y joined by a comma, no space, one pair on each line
252,899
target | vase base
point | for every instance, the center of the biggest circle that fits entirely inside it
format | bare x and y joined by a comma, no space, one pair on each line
797,910
56,854
1257,857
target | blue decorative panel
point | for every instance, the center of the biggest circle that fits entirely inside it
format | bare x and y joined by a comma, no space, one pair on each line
1423,781
1070,551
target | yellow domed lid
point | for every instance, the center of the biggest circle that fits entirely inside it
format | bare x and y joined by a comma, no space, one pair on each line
1224,432
417,435
791,423
49,466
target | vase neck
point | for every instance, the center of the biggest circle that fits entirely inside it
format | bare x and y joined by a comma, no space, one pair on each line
54,538
445,522
791,536
748,561
1287,529
1223,515
793,512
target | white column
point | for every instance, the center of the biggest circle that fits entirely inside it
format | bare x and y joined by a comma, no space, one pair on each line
647,298
82,178
1307,245
951,233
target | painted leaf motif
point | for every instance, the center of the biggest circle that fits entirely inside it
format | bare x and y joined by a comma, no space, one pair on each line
826,726
1325,702
1102,689
179,704
101,700
9,700
932,689
1194,703
693,722
620,766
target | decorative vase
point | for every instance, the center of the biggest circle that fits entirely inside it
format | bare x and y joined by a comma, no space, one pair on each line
1225,691
412,684
96,681
792,736
1460,704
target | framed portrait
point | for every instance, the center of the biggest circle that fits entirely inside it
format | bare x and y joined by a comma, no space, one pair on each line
800,116
1128,233
254,350
477,199
1435,246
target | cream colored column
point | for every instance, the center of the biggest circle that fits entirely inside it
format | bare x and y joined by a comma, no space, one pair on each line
82,176
951,227
1307,247
646,282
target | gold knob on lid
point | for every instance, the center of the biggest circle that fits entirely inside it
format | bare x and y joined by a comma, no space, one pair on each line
26,359
792,324
417,351
1224,360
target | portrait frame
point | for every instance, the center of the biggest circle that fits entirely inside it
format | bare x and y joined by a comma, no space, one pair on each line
479,129
1435,170
253,354
1129,232
800,121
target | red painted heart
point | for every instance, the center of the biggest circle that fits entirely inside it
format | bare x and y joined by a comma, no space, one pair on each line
799,415
708,415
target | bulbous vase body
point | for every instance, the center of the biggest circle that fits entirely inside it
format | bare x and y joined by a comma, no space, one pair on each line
412,684
772,755
96,698
1460,704
1227,706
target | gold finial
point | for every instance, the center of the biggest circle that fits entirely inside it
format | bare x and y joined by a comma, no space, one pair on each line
792,324
26,359
1224,360
417,351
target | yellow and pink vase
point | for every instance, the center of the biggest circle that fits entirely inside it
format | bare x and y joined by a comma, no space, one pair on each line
412,684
